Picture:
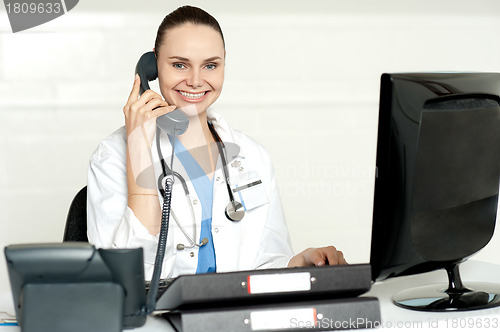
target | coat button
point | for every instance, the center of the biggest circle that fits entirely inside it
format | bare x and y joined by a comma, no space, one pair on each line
191,254
216,230
195,201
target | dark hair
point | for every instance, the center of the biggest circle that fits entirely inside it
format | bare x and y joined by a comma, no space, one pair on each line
183,15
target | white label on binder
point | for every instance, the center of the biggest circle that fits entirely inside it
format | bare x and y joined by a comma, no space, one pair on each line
283,319
278,283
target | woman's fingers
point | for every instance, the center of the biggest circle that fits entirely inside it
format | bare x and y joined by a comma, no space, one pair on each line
150,107
163,110
318,257
134,94
331,254
135,103
342,260
148,101
141,109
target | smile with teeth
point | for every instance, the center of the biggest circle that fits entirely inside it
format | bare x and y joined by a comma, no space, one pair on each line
192,95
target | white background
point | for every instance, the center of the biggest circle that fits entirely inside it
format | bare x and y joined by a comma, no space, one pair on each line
302,77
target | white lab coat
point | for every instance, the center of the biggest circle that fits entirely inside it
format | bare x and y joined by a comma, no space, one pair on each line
260,240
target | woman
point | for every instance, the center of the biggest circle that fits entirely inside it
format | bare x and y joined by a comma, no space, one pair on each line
124,205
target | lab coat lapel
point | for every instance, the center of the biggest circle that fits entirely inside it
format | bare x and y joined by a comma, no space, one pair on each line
226,234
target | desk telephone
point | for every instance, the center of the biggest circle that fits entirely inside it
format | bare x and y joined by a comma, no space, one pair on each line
173,123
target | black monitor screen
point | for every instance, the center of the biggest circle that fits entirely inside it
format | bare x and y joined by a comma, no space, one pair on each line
438,170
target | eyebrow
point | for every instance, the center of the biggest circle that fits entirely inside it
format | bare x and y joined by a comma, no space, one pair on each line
180,58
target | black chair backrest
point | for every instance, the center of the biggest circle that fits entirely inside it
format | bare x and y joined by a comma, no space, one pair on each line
76,222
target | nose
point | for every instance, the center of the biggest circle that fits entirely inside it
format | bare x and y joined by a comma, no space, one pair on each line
194,79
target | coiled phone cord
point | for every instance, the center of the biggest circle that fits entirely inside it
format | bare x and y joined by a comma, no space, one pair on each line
162,240
162,244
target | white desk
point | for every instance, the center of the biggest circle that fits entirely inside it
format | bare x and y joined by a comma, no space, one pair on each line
393,318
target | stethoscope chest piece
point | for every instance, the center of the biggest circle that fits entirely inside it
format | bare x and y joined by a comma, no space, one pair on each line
235,211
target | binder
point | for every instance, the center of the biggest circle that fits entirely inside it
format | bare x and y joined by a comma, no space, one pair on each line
266,286
320,315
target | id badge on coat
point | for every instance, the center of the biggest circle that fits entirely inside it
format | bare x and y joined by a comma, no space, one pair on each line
249,190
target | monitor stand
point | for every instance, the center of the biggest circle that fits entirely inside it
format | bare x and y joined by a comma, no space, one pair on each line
456,297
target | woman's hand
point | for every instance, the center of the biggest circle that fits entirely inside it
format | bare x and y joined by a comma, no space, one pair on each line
318,257
140,121
141,111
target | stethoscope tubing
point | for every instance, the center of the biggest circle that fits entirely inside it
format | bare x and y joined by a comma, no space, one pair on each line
234,210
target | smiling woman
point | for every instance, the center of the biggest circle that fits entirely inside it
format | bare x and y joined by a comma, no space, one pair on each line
124,205
191,66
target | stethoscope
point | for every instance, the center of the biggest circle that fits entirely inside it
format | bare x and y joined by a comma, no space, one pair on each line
234,210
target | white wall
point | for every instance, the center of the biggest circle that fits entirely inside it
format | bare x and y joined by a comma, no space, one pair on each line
302,78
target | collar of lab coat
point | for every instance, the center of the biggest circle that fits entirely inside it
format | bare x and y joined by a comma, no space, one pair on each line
222,128
226,133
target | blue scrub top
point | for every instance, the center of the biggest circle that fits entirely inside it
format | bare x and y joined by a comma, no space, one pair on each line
204,189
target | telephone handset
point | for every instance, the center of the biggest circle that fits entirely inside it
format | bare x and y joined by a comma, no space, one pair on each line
173,123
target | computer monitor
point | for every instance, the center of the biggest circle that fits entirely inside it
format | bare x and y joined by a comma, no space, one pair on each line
73,286
437,181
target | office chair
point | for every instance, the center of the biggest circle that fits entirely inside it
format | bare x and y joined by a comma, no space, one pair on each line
76,222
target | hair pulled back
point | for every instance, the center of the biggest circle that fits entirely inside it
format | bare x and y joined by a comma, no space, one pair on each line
183,15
